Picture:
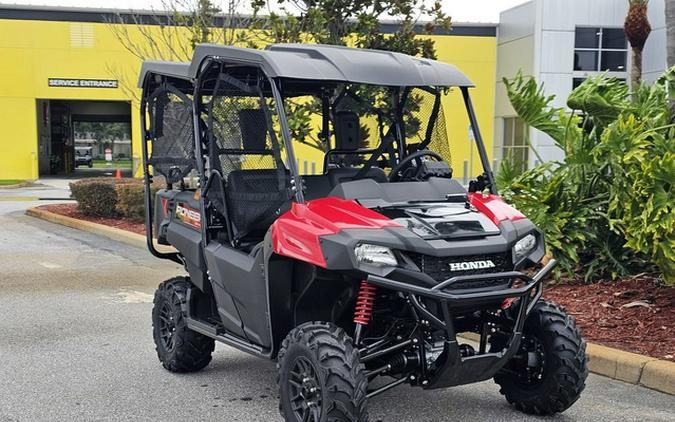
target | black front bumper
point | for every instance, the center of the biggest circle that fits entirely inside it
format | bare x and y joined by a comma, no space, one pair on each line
452,369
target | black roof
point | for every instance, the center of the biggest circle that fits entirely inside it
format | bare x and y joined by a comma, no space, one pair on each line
323,63
174,69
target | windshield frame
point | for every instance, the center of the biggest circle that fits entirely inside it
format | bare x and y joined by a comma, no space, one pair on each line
395,136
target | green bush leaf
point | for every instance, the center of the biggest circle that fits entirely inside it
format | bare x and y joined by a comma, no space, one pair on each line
608,208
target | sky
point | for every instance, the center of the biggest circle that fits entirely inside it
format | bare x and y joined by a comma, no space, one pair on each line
460,10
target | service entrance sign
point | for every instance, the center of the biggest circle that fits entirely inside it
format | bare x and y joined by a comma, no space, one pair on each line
83,83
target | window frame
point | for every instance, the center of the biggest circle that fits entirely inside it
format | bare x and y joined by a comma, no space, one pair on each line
621,74
503,148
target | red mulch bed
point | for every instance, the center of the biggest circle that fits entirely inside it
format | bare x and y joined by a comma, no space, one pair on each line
634,314
70,210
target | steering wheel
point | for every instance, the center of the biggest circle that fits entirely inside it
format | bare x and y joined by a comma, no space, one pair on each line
396,175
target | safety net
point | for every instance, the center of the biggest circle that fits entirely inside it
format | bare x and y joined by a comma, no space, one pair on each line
172,134
244,149
424,121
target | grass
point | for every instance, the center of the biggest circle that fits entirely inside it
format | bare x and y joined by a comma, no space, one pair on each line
123,164
9,182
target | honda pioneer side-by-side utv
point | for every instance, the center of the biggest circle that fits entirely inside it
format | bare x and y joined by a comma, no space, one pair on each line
361,274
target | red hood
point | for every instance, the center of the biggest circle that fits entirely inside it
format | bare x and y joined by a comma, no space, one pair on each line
296,233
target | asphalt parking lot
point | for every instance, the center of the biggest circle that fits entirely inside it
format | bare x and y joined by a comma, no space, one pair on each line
76,345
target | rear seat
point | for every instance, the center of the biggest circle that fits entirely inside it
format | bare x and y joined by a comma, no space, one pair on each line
255,200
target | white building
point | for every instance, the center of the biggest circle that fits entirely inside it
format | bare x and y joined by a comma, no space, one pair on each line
561,42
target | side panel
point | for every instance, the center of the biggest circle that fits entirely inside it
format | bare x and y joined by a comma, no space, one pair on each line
183,236
238,283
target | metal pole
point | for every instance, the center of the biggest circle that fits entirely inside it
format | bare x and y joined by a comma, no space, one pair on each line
479,140
288,142
387,387
147,179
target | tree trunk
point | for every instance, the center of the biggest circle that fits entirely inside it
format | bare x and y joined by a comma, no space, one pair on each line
670,32
636,69
670,47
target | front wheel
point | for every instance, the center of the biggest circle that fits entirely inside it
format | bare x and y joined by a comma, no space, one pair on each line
321,377
549,372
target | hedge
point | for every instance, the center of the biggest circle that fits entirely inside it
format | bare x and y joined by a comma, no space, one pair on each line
109,197
130,200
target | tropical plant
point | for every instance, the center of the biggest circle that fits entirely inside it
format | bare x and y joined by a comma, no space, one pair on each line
637,29
608,207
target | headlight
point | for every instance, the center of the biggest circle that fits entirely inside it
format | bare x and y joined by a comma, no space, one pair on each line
375,255
524,246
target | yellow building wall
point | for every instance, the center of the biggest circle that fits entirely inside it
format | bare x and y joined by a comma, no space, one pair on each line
31,52
475,57
34,51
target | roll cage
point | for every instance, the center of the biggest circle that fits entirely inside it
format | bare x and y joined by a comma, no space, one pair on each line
264,82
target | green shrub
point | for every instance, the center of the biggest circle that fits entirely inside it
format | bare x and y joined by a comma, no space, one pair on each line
130,200
97,197
608,208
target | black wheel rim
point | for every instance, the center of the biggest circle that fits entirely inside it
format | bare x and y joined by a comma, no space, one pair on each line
305,390
531,362
167,326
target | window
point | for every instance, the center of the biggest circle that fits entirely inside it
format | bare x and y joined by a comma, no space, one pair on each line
514,143
600,49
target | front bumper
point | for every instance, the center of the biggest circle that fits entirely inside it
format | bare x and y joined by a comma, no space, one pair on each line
452,368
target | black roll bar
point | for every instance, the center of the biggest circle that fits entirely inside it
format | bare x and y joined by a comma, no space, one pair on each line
479,140
288,142
147,180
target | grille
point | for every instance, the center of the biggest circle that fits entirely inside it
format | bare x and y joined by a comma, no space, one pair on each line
439,268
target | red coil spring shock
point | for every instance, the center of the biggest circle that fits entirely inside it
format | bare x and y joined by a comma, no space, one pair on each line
364,303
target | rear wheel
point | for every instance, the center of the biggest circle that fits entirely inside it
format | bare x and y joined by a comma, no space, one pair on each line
179,348
549,372
321,377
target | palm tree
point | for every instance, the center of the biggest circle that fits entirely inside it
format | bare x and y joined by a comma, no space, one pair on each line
637,29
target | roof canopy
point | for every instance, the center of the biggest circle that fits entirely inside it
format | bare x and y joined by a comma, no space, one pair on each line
317,62
173,69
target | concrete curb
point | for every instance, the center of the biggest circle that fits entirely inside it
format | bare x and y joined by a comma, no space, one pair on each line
119,235
629,367
633,368
624,366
